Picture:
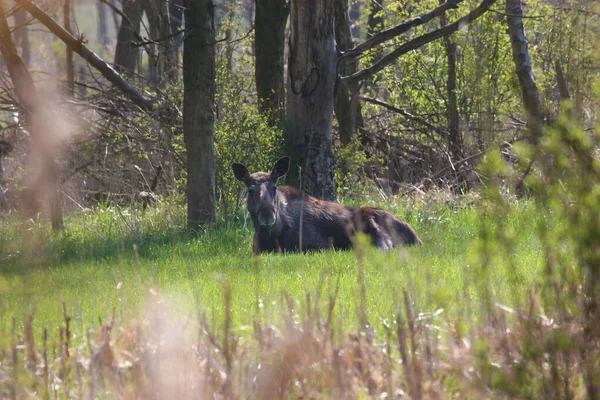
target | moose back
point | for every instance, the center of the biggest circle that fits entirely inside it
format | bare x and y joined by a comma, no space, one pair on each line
286,220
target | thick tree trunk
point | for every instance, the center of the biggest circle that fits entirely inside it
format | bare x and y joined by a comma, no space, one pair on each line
199,72
21,35
347,103
269,41
43,182
312,77
126,55
520,50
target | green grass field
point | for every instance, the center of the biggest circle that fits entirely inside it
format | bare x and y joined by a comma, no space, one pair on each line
115,258
480,310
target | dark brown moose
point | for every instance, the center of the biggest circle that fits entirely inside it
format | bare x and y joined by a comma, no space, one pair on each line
286,220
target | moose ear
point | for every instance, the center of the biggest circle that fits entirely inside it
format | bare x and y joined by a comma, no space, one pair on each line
280,168
241,172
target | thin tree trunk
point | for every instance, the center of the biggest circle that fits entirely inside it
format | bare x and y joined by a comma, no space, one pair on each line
21,35
176,14
269,43
126,55
374,26
199,73
312,77
454,138
43,183
354,14
520,51
70,69
347,103
375,23
102,28
167,68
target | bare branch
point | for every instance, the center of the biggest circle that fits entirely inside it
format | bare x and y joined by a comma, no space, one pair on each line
399,29
402,112
420,41
92,58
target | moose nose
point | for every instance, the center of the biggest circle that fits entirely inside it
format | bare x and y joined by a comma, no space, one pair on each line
266,221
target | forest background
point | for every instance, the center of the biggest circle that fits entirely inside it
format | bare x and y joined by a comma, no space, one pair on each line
475,121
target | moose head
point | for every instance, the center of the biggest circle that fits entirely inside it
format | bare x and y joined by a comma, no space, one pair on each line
262,191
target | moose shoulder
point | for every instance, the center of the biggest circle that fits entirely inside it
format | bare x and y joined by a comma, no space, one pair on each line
286,220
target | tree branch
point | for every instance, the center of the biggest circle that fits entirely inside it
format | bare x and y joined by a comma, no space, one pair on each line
402,112
399,29
78,47
419,41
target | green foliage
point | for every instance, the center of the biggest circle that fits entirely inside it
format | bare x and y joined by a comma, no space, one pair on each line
242,135
350,176
565,188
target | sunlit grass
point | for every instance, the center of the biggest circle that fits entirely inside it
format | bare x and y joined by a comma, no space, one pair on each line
114,258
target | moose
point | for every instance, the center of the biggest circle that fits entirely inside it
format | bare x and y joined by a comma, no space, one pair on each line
286,220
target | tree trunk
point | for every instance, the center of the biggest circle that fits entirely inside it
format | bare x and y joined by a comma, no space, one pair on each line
102,26
355,18
166,60
43,181
126,55
22,34
69,67
176,14
454,138
529,90
269,41
312,78
199,73
374,26
347,103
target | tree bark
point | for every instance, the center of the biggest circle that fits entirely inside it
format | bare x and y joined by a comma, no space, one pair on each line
199,73
43,182
312,77
269,41
347,103
520,51
126,55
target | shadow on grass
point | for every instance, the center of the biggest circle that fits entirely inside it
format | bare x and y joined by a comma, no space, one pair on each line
27,248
